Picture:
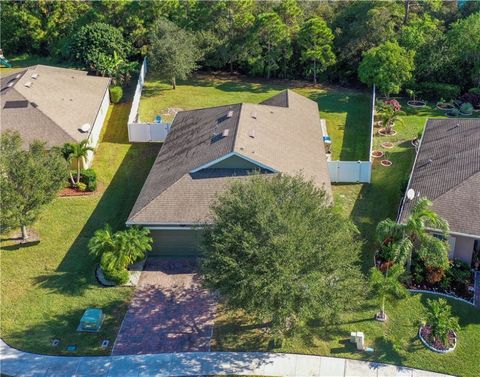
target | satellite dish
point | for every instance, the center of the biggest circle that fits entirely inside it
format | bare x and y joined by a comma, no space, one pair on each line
85,128
411,194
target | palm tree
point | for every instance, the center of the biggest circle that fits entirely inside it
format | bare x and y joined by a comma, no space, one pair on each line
102,242
413,234
390,116
133,244
79,151
440,320
67,155
387,286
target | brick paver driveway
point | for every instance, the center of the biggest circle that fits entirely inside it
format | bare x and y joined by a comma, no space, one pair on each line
170,311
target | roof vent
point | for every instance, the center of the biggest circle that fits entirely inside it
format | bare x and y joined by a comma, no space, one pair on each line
252,134
230,114
85,128
10,84
254,114
28,84
18,76
225,132
34,75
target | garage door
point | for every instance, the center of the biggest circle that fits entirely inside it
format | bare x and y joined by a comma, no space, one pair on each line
176,242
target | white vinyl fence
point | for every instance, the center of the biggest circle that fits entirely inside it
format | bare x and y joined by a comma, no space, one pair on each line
139,132
355,171
350,171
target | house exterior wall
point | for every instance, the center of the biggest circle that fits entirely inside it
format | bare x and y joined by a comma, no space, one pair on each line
94,136
463,248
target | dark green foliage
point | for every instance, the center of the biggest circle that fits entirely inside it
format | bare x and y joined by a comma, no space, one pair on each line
475,90
440,319
279,251
436,90
116,93
29,180
231,35
98,47
117,276
117,251
89,178
458,277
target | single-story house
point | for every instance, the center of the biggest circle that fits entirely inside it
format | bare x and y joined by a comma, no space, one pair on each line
447,172
55,105
207,149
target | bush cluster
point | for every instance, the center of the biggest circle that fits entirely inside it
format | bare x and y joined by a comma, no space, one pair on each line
436,90
116,94
89,178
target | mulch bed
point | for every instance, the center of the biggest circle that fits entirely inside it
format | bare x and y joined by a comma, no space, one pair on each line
70,191
437,344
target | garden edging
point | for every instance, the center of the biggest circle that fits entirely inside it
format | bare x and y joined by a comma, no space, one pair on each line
425,343
441,294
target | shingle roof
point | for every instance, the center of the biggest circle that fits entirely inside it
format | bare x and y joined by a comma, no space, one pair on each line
447,172
56,104
276,138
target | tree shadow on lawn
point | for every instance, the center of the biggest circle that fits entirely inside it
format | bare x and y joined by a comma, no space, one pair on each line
380,199
76,271
356,130
38,337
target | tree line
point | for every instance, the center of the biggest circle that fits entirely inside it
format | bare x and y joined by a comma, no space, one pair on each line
290,39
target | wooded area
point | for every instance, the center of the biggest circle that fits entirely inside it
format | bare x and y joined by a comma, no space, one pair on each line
278,39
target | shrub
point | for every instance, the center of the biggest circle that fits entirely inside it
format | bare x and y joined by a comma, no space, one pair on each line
457,277
89,178
117,276
116,94
472,98
396,105
434,275
475,90
466,108
81,186
434,90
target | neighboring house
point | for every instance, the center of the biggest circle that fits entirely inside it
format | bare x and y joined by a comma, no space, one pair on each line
55,105
447,172
207,149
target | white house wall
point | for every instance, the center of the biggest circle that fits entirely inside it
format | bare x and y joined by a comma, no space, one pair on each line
94,137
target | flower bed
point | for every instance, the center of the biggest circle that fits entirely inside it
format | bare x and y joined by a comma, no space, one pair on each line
435,344
386,163
445,106
416,104
387,145
383,132
377,154
71,191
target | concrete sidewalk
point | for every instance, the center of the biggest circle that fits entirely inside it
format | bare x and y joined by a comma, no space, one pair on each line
18,363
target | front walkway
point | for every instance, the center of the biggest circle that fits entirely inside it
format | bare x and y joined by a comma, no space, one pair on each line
18,363
170,311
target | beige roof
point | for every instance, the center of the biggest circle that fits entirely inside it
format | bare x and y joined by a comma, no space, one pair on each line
68,98
282,136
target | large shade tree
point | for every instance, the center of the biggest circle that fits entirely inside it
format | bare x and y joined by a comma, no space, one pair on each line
279,251
29,180
173,51
316,42
387,66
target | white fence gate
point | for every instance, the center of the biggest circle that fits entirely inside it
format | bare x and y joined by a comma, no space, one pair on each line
139,132
350,171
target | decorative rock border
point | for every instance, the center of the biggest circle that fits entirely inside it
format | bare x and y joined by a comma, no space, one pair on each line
439,106
134,272
382,132
377,154
101,278
426,344
441,294
417,104
387,145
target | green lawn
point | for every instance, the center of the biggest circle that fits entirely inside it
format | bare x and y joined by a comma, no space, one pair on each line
46,287
346,111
